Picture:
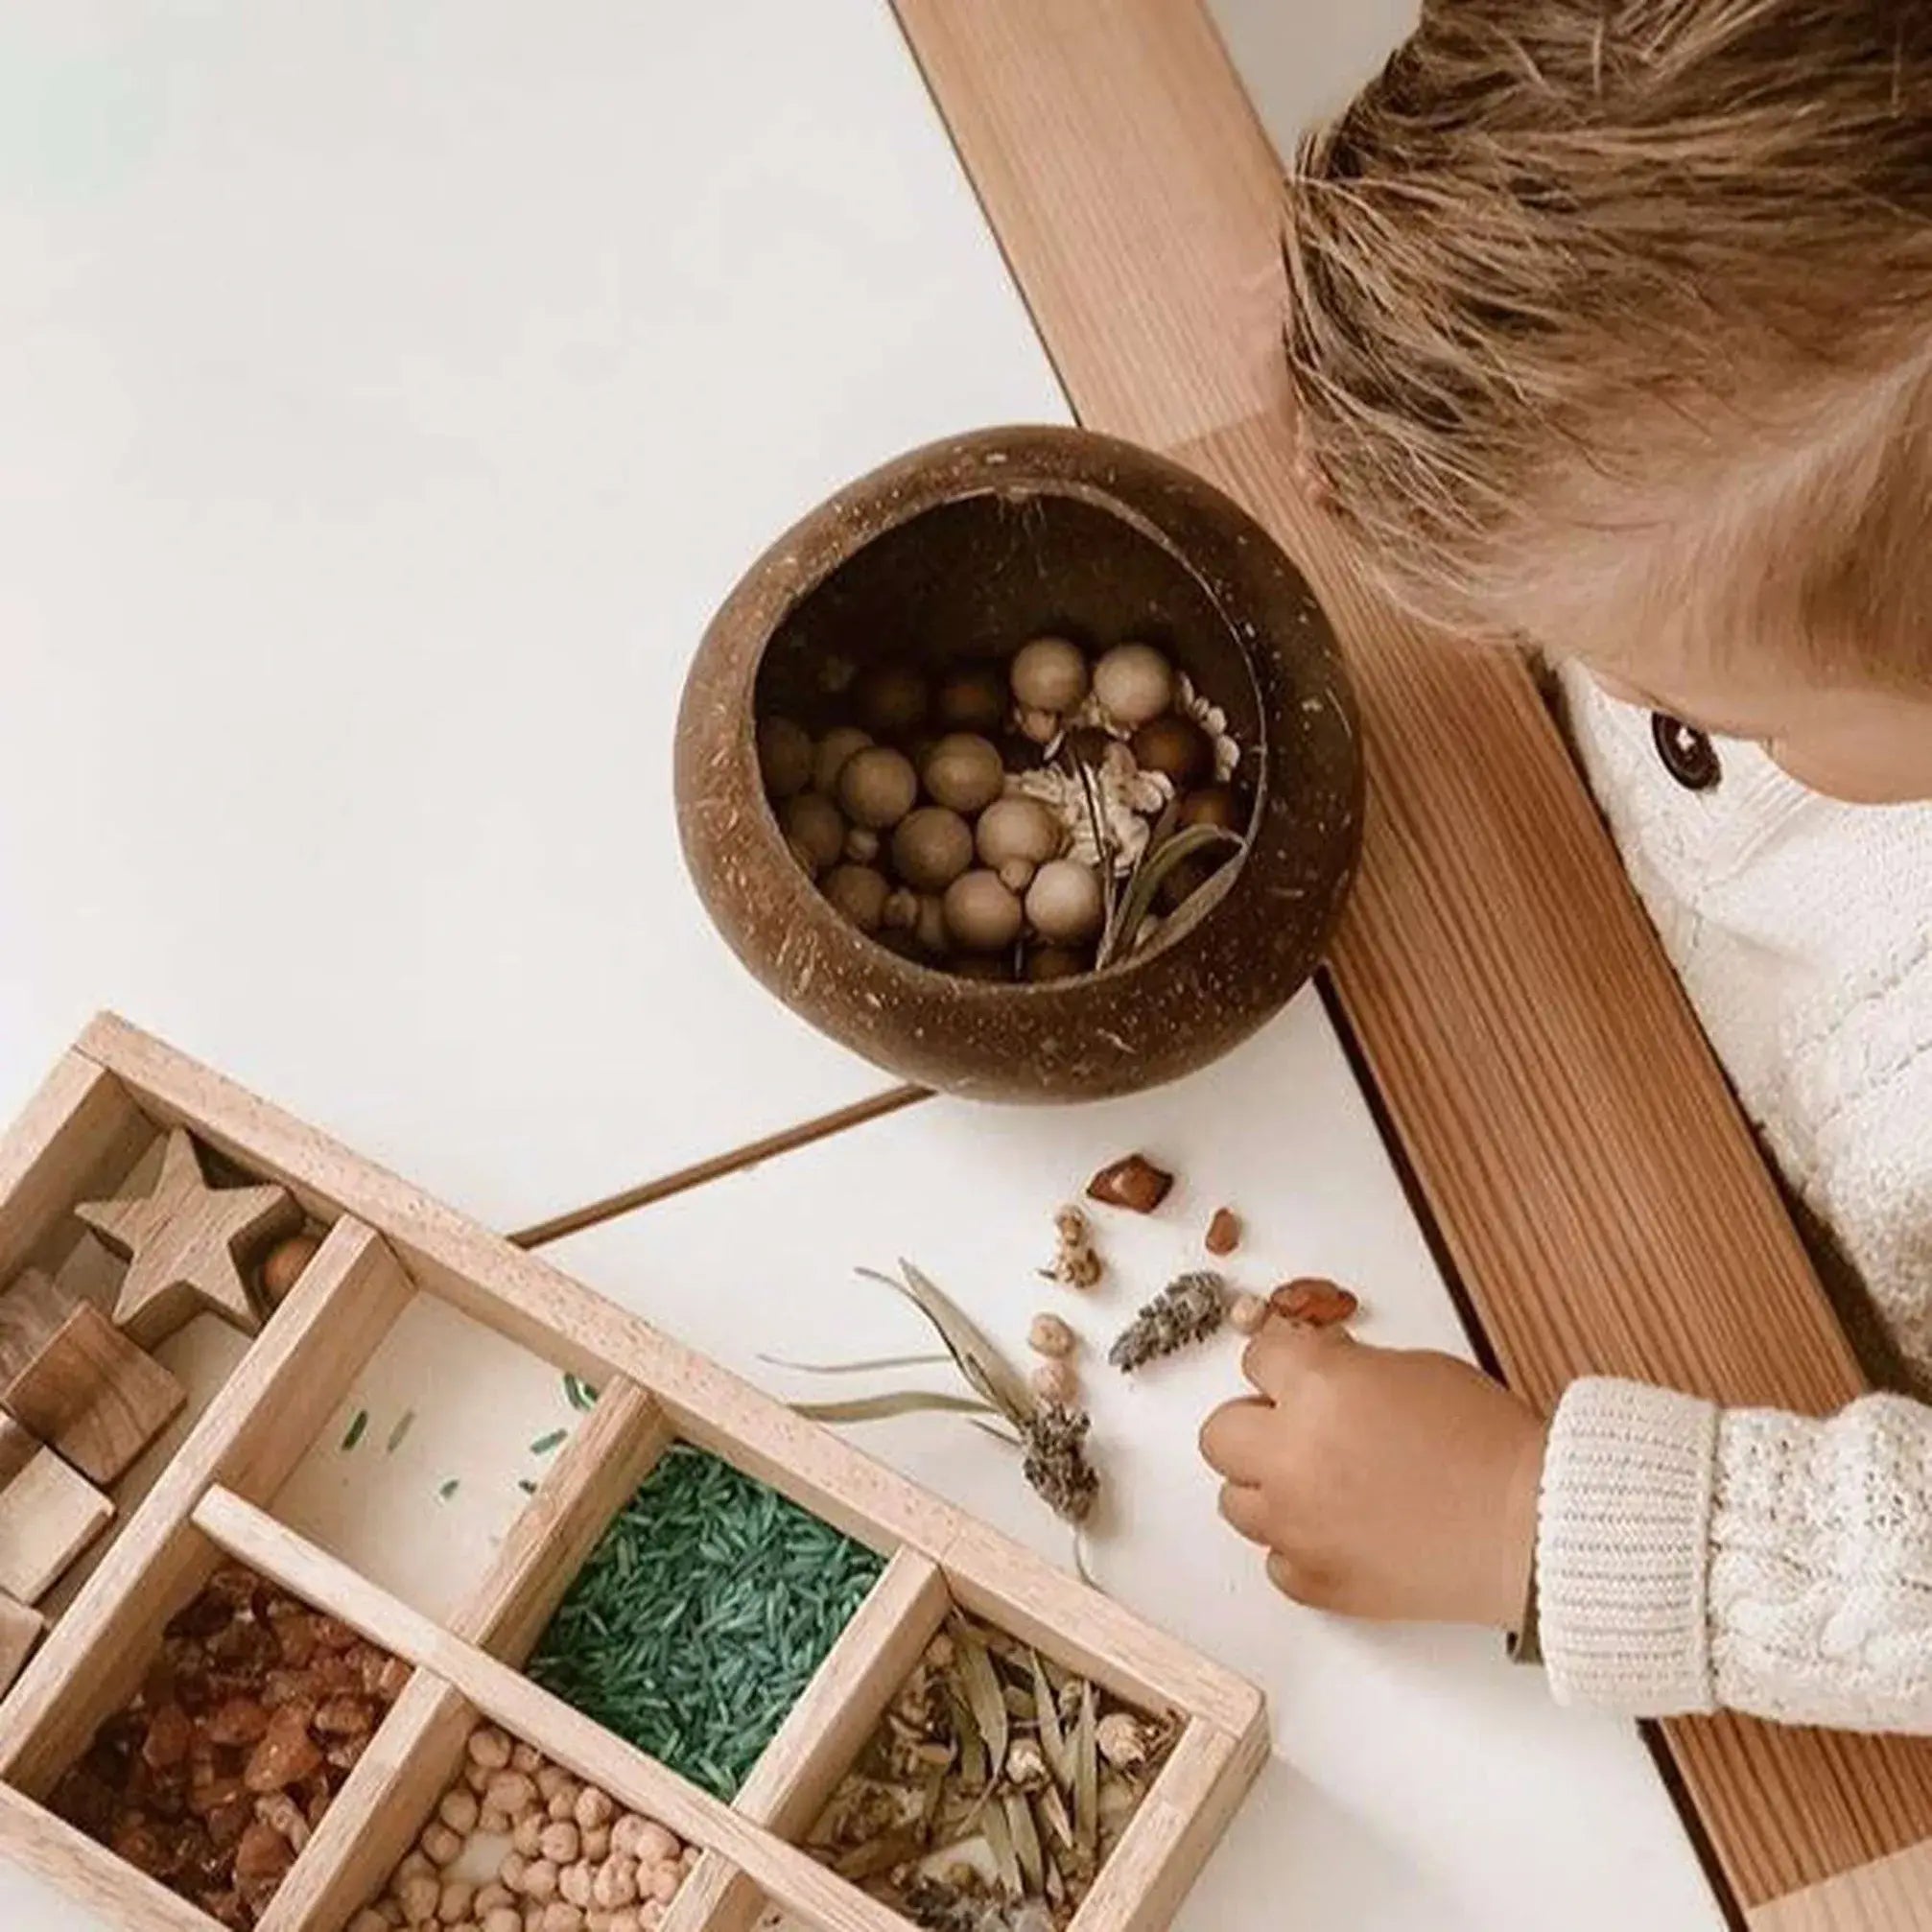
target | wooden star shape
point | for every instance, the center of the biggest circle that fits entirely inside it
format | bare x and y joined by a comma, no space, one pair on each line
181,1241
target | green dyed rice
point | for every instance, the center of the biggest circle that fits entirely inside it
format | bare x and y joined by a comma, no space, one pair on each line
700,1617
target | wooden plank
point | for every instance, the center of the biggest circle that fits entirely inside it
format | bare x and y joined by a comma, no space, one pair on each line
79,1131
1587,1169
250,1437
530,1712
821,1735
378,1812
595,1474
90,1874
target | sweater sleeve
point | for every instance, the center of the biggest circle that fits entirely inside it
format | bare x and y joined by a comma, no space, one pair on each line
1690,1558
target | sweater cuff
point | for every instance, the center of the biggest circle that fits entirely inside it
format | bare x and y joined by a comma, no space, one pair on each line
1623,1537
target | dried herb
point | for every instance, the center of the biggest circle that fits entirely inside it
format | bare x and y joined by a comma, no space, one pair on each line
1053,1439
1157,861
700,1616
1056,1464
545,1444
1188,1309
358,1428
983,1800
579,1393
399,1434
446,1490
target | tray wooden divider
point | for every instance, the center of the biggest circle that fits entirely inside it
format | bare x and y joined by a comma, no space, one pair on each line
1583,1161
378,1812
822,1735
595,1474
387,1243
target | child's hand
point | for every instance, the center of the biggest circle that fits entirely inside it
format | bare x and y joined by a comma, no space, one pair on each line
1383,1483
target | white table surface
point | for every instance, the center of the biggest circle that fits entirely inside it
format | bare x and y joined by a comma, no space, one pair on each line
387,396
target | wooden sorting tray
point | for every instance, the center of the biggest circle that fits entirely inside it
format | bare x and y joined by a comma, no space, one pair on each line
385,1244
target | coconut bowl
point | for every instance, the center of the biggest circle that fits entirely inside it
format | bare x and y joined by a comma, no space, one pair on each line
963,550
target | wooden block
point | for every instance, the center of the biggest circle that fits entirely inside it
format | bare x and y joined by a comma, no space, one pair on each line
49,1513
181,1245
95,1397
31,1310
18,1449
21,1631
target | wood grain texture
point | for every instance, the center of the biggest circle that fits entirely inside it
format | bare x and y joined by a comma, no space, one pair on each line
32,1306
20,1630
49,1513
93,1396
79,1131
1586,1168
591,1479
183,1241
1892,1895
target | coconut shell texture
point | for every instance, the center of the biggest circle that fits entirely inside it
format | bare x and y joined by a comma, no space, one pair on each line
966,549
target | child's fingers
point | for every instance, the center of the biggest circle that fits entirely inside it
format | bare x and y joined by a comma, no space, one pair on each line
1245,1512
1234,1438
1283,1351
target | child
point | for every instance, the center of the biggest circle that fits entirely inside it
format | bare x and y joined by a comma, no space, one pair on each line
1612,332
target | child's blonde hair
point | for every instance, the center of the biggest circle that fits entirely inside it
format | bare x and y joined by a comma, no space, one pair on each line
1633,302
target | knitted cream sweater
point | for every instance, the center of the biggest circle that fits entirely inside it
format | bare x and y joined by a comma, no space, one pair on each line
1690,1557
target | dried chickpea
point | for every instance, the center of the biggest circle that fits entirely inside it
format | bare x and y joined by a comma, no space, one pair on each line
551,1779
419,1898
527,1834
625,1921
478,1777
573,1884
390,1911
503,1918
453,1908
663,1883
368,1920
440,1844
563,1805
655,1844
594,1807
616,1884
595,1843
533,1919
597,1919
413,1866
494,1823
460,1811
510,1792
559,1916
527,1759
558,1843
488,1745
624,1834
490,1898
539,1880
